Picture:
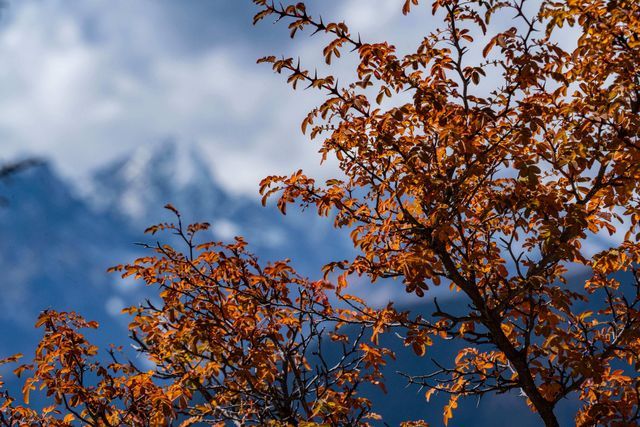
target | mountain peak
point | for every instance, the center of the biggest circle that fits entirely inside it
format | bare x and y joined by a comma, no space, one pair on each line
178,161
136,185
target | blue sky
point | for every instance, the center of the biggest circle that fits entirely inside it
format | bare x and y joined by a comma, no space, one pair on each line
83,82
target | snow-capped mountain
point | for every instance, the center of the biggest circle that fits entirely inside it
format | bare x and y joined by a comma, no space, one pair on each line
57,242
132,187
136,187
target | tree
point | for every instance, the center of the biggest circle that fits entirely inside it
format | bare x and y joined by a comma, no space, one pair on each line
229,341
489,180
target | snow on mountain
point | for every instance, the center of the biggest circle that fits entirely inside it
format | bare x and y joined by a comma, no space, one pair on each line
133,186
136,187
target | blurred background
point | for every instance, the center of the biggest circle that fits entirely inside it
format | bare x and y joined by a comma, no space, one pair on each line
133,104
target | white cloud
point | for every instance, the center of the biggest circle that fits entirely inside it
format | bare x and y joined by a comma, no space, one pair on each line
84,83
83,97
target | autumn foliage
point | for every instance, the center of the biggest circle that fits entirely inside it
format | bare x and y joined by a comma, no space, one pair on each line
228,341
484,160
